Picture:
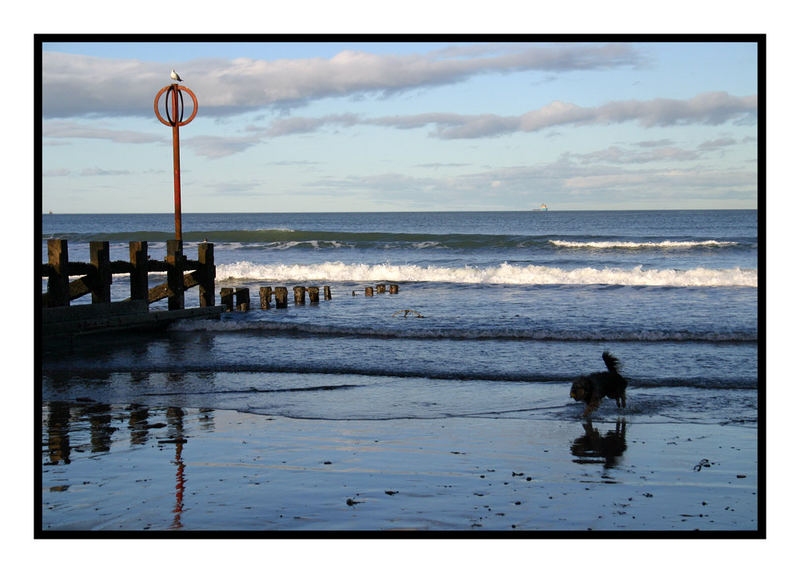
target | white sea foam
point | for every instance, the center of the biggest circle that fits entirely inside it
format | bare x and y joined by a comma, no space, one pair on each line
640,245
501,274
313,243
427,245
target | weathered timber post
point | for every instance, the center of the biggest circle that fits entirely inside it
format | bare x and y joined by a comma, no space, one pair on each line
226,298
299,295
242,299
175,301
381,288
208,272
368,291
281,297
393,289
58,281
327,292
100,259
313,295
265,293
139,283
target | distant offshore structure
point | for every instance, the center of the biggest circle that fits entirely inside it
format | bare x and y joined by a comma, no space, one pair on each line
543,207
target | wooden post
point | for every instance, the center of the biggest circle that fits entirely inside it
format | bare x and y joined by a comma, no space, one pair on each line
58,281
368,291
393,289
139,283
265,293
226,298
100,259
313,295
327,291
242,299
381,288
208,272
281,297
299,295
175,301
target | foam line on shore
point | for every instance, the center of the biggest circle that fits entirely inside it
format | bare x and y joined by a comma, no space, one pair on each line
504,273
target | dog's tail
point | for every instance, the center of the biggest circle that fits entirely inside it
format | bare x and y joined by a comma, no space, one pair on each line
612,362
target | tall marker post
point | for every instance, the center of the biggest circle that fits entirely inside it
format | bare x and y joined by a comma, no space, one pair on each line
173,109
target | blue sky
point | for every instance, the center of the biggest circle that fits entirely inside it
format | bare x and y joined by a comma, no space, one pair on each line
408,126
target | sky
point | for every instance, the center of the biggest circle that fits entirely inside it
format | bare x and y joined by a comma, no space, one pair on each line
306,126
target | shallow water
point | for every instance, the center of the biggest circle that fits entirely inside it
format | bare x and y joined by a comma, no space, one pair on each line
511,306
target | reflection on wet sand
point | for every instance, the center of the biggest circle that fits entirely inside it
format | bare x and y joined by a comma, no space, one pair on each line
58,433
101,428
64,419
66,425
66,422
592,448
260,473
175,421
137,424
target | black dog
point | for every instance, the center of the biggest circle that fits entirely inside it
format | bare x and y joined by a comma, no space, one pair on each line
592,388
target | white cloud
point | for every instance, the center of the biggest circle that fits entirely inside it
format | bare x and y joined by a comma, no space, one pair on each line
620,155
563,182
74,85
654,143
296,125
69,130
711,108
719,143
666,182
707,108
56,173
97,171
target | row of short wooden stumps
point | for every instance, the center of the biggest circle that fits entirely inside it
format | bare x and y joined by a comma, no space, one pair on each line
239,298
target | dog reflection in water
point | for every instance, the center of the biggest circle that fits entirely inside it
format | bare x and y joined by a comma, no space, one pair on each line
594,387
592,448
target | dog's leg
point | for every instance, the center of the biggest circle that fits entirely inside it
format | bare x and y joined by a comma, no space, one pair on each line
591,407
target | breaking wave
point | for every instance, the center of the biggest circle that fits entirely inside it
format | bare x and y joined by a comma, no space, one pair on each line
642,245
501,274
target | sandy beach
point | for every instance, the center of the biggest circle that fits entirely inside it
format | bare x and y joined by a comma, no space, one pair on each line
135,470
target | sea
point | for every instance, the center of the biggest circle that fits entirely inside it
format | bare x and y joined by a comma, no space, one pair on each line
496,313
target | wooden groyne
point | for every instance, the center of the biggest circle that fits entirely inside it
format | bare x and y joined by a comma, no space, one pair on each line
69,280
95,278
239,298
380,288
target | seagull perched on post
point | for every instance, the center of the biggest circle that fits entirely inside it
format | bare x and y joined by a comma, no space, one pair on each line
174,75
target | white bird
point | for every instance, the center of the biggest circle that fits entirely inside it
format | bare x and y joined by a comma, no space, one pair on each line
174,75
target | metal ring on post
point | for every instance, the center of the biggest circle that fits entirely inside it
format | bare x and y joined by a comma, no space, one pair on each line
167,99
171,121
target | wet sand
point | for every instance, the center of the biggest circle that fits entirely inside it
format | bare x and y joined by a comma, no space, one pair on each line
134,469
